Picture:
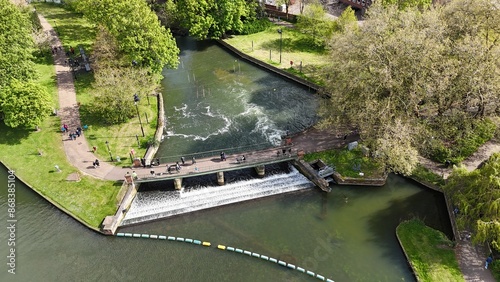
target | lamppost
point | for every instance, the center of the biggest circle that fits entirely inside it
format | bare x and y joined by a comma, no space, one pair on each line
136,99
281,40
109,151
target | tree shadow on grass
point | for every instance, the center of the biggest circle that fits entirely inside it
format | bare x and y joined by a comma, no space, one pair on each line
13,136
298,44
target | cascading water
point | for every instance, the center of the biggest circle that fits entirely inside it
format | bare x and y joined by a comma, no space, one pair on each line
213,102
160,204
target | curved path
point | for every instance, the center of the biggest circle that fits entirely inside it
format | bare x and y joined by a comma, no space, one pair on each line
79,153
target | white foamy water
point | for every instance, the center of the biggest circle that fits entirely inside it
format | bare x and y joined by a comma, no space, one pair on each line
151,206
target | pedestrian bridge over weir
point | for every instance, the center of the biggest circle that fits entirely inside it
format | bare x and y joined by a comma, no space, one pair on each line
215,165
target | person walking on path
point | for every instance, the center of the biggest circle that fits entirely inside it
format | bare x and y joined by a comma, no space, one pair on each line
489,260
182,160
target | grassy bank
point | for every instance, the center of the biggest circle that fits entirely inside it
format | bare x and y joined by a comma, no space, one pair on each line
425,175
90,199
308,62
74,30
430,253
348,163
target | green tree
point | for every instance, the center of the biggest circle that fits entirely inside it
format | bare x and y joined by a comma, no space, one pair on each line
404,4
24,104
347,20
314,23
114,89
405,66
477,196
213,18
16,44
137,31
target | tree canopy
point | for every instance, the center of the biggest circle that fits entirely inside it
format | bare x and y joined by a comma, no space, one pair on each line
403,4
16,44
25,103
213,18
476,194
22,102
314,23
137,31
431,73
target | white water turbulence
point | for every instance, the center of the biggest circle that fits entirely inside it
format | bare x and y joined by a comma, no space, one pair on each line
160,204
215,104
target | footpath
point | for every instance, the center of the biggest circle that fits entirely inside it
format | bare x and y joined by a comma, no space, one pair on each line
471,258
80,155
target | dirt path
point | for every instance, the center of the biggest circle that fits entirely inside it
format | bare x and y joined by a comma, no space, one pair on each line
471,163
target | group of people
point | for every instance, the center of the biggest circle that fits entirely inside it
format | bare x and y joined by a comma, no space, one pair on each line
183,160
177,167
55,49
72,135
96,163
284,152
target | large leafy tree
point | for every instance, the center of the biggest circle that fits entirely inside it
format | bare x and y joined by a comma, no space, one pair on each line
137,31
476,194
16,44
411,68
213,18
314,23
22,102
25,104
114,89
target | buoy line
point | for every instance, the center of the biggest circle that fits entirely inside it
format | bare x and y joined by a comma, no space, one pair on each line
228,248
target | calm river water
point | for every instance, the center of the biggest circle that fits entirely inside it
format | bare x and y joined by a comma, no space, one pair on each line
345,241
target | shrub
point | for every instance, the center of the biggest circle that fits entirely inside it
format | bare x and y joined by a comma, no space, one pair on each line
438,152
467,144
482,132
254,26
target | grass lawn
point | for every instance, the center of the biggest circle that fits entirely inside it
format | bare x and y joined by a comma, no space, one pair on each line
90,199
74,31
294,48
348,163
430,252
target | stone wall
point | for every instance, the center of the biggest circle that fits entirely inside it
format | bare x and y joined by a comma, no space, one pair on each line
150,153
340,180
268,67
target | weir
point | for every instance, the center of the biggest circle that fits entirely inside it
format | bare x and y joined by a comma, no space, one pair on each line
162,204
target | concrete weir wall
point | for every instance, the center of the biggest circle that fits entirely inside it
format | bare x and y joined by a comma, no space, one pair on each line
340,180
268,67
309,172
150,153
